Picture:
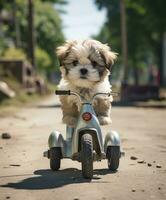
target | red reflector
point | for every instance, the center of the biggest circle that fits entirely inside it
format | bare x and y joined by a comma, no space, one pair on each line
86,116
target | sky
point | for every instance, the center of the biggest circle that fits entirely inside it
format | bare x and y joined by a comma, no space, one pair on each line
82,19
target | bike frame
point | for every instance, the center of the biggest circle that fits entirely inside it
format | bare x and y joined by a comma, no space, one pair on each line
92,127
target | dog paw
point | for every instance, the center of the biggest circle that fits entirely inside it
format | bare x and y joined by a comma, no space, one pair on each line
70,121
104,120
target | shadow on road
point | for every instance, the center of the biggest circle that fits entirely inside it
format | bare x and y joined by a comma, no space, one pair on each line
47,179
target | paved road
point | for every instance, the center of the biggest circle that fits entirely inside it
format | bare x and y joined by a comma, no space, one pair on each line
25,174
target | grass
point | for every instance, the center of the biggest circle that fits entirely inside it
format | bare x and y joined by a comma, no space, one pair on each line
10,106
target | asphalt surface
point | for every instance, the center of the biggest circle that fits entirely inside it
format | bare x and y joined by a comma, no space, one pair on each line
25,173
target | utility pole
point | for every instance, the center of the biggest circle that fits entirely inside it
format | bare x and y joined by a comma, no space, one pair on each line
124,40
31,34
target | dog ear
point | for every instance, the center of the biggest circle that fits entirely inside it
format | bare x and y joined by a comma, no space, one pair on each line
63,51
111,57
108,56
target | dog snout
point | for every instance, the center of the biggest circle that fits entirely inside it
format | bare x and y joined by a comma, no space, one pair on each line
83,71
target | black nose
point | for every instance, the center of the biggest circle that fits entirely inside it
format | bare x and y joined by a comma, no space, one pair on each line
83,71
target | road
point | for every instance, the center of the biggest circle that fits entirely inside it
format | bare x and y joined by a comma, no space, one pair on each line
25,174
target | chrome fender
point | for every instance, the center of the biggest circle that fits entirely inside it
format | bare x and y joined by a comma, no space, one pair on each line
111,139
56,140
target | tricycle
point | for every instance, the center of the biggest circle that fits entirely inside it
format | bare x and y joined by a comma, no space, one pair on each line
85,142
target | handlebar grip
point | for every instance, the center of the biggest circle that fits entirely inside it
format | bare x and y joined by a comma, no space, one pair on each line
62,92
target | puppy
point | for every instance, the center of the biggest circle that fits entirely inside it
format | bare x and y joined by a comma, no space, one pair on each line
85,67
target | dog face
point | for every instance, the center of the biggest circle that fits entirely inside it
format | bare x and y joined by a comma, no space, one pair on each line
85,63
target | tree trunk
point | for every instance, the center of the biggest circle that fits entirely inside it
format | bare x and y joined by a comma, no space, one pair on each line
160,60
124,40
135,72
16,26
31,41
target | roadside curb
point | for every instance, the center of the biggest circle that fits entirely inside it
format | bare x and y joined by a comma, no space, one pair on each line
140,104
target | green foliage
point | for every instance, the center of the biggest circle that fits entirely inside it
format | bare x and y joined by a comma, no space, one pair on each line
14,54
43,60
146,25
48,28
3,45
55,1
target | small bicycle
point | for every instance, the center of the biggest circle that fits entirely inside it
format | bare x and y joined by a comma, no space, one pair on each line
84,142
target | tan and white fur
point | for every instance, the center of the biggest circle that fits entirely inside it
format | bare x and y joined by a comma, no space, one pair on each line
85,67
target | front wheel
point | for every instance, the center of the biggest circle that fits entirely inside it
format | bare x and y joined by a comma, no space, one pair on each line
55,158
87,156
113,157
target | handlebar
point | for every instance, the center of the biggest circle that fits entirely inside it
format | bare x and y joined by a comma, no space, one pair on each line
62,92
81,98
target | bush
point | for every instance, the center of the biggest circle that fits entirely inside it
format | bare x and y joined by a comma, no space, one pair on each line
43,60
3,45
13,54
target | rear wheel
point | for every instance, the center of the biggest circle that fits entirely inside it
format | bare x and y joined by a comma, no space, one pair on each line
55,158
113,157
87,156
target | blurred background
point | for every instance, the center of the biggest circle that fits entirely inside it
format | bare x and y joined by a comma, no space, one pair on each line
30,31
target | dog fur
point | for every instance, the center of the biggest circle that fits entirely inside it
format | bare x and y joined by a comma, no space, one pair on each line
85,67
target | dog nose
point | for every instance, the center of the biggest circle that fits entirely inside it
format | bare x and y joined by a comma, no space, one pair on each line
83,71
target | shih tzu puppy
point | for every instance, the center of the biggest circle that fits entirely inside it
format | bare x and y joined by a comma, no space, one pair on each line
85,66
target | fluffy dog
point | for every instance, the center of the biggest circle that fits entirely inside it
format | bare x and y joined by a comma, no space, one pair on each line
85,66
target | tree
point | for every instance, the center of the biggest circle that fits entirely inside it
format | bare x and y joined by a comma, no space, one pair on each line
146,25
156,16
48,26
49,29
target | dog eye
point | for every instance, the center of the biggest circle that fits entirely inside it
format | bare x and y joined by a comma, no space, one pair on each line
75,62
94,63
